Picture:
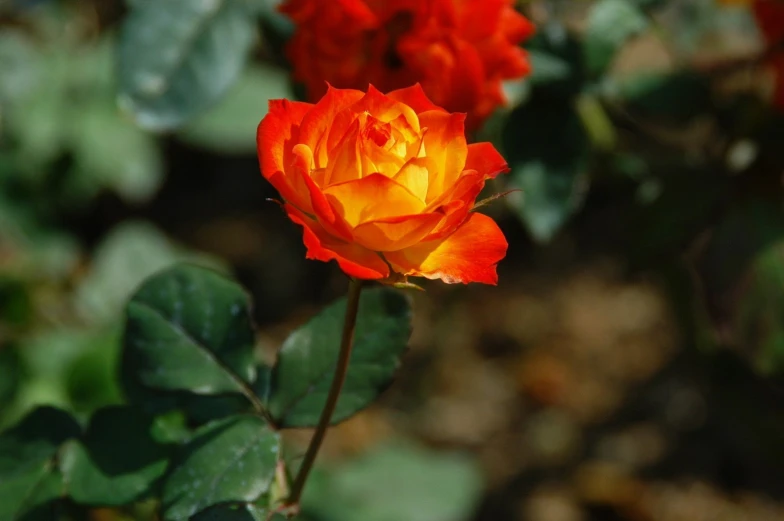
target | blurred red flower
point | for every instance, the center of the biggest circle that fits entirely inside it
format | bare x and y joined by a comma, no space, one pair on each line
458,50
770,19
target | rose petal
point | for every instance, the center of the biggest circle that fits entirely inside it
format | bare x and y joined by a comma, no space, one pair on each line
353,259
396,233
371,198
415,98
480,20
321,207
344,163
277,134
456,203
385,108
317,125
485,159
468,255
515,26
445,149
414,176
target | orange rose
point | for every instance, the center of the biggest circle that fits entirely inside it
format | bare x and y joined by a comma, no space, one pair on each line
384,185
458,50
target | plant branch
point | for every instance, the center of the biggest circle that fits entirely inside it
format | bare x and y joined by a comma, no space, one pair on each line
346,343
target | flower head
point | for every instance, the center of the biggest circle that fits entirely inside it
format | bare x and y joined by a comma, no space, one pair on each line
384,184
458,50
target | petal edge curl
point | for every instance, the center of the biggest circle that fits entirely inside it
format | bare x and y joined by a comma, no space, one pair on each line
353,259
470,254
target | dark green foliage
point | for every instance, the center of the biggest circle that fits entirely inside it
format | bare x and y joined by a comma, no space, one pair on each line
227,460
117,461
306,362
32,483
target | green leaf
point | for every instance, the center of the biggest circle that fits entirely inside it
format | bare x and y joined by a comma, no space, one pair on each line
189,329
74,368
306,362
111,152
610,24
547,150
10,377
31,482
759,319
117,462
17,60
557,59
232,512
231,125
551,193
547,67
396,482
179,57
231,460
743,281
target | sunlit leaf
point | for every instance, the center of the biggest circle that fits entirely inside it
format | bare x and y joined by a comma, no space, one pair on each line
177,58
232,512
188,332
231,460
547,150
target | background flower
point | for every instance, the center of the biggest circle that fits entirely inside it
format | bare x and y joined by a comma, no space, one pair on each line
770,19
458,50
384,184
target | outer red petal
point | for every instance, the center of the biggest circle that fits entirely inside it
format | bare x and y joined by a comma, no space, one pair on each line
353,259
328,218
468,255
277,133
480,19
485,159
276,136
515,26
415,98
456,203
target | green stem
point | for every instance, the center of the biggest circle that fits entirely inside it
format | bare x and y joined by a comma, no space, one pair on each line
346,343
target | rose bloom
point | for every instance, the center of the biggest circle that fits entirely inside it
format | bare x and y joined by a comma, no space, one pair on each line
458,50
384,185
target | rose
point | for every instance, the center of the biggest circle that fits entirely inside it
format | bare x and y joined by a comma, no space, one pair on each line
458,50
384,185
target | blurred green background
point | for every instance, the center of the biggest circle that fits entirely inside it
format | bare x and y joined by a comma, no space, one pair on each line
627,366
